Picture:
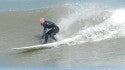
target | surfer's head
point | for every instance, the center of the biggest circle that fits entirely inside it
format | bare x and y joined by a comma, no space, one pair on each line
42,20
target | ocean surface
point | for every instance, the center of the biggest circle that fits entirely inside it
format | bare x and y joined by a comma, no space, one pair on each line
95,30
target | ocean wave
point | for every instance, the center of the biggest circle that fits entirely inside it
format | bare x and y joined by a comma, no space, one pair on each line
103,24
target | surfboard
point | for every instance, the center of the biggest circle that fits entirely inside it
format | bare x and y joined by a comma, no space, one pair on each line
49,45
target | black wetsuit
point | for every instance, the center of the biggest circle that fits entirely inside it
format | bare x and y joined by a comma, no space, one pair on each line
50,29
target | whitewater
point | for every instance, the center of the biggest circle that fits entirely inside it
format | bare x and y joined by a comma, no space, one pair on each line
111,26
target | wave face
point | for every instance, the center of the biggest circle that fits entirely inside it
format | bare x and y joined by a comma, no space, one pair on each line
91,24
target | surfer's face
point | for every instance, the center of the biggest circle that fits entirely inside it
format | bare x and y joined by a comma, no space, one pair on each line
42,20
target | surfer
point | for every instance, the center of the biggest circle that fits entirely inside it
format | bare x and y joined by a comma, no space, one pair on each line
50,29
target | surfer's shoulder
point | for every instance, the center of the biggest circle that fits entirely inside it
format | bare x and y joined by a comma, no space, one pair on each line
49,23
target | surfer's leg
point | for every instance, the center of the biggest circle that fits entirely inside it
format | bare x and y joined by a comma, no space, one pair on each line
46,38
52,35
47,35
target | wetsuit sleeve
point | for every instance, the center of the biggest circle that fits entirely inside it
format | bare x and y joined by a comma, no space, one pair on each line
51,24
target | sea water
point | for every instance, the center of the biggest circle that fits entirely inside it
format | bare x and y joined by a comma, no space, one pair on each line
96,30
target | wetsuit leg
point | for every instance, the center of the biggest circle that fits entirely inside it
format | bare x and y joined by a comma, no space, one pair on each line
52,36
55,30
46,38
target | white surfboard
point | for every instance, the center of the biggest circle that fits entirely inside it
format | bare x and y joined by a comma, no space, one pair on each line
49,45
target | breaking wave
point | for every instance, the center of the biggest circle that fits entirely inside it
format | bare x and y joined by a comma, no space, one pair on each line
90,25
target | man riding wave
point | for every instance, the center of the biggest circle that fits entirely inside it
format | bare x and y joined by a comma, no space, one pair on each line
50,29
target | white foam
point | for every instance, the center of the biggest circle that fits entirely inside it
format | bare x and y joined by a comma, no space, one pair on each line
119,16
110,28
